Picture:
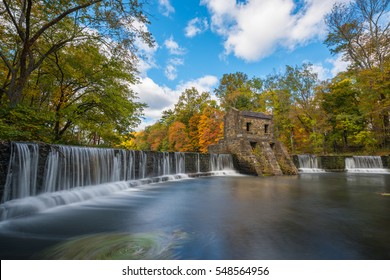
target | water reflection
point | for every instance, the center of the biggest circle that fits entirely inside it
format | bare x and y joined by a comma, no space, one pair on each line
309,216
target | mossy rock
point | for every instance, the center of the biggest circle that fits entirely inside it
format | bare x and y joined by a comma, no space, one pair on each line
116,246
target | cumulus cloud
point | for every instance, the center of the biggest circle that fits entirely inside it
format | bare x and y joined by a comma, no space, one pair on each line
322,72
145,53
171,68
196,26
173,47
160,98
330,68
338,65
165,7
254,29
176,51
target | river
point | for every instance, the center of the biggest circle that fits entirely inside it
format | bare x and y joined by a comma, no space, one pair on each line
309,216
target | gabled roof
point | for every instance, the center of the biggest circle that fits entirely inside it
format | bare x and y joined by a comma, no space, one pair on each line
256,115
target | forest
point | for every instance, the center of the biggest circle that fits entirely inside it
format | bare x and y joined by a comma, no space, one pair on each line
62,81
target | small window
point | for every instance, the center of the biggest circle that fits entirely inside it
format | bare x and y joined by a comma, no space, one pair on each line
266,128
248,126
253,145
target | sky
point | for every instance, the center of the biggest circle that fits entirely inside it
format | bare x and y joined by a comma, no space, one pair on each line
197,41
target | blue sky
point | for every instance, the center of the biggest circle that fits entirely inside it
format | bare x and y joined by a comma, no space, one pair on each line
197,41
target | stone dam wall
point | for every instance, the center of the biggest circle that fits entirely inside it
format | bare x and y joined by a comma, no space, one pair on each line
144,164
337,163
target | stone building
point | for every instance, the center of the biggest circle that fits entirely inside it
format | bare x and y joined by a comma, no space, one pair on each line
249,136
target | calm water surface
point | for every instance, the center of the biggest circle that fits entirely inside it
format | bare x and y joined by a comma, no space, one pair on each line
310,216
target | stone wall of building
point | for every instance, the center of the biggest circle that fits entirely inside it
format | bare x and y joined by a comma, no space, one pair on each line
249,137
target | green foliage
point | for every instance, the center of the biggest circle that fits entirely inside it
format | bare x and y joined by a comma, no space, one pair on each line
237,91
24,123
68,84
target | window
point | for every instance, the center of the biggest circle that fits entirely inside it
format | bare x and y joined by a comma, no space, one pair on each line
266,128
253,145
248,126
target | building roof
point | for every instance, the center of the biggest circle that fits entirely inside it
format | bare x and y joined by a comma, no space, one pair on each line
256,115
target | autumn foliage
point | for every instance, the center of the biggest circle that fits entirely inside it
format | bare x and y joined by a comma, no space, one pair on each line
195,123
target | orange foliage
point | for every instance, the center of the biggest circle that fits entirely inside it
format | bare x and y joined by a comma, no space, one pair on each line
178,137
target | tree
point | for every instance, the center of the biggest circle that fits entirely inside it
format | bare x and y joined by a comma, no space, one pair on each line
341,102
31,31
190,102
361,32
92,93
210,128
178,137
237,91
157,137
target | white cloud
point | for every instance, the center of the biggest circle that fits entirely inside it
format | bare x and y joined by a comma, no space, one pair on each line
203,84
196,26
322,72
254,29
145,54
160,98
174,50
170,72
173,47
165,7
171,68
338,65
332,68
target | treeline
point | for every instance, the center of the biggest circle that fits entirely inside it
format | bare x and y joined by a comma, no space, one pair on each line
349,113
195,123
345,114
66,67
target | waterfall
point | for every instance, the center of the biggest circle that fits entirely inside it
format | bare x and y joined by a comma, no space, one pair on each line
365,164
180,163
68,167
221,162
164,164
22,171
197,163
143,157
309,164
70,174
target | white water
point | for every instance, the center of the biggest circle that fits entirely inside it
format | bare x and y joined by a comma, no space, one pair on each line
309,164
22,171
365,164
74,174
220,162
180,163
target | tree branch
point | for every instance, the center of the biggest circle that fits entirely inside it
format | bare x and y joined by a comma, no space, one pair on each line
20,32
6,61
59,18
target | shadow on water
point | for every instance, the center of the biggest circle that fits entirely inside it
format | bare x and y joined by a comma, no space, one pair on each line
309,216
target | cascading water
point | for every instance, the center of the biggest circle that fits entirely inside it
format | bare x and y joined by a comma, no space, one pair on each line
365,164
74,174
197,163
22,171
221,163
309,164
180,163
68,167
143,157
